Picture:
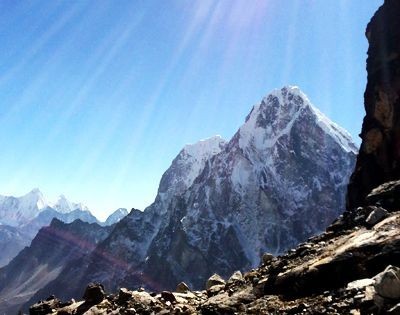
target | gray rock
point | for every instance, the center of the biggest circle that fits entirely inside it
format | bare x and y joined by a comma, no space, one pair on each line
387,283
182,287
376,216
215,279
236,277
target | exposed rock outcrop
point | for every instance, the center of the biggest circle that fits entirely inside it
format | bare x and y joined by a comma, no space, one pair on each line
379,157
338,272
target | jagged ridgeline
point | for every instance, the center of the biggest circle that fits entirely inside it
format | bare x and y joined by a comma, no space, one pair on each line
22,217
221,204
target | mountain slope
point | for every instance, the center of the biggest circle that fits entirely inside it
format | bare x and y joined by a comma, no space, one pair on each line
12,241
40,263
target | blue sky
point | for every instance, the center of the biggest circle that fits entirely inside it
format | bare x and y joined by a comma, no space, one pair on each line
98,97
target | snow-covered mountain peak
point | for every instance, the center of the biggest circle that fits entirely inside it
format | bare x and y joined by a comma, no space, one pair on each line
116,216
34,198
17,210
205,148
274,117
63,205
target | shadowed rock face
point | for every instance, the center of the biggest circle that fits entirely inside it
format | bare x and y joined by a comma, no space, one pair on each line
379,157
38,265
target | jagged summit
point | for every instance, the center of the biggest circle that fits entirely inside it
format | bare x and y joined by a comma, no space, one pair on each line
63,205
35,196
274,116
116,216
205,147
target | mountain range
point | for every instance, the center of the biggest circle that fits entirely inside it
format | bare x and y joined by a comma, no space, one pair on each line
220,205
22,217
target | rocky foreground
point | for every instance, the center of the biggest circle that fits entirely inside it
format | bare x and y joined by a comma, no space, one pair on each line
349,269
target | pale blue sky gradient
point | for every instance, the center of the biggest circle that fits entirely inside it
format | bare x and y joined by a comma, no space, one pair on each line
98,97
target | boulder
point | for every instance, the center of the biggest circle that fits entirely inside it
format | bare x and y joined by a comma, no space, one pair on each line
376,216
386,195
236,277
215,279
94,293
266,258
168,296
387,283
124,295
182,287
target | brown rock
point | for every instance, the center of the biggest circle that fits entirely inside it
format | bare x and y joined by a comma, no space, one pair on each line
214,280
182,287
236,277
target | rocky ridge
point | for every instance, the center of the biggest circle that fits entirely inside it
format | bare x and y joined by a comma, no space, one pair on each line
345,270
22,217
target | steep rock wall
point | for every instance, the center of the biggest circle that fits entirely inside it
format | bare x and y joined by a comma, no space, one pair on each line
379,157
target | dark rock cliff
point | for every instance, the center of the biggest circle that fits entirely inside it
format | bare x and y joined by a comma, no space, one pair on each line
379,157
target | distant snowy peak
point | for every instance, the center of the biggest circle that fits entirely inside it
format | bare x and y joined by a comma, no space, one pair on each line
17,211
34,197
63,205
188,165
116,216
276,114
